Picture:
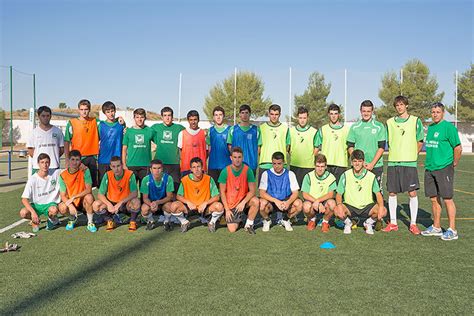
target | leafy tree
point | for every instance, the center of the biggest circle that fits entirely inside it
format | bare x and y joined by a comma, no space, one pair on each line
314,99
418,86
250,89
466,96
62,105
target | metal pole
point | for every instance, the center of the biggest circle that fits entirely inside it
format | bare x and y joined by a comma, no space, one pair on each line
289,103
34,100
401,81
456,101
345,96
235,95
11,108
179,97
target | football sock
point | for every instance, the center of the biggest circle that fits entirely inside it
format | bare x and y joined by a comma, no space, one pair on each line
279,215
325,221
313,219
413,209
348,221
133,217
392,207
285,216
249,222
181,218
150,217
72,217
370,221
90,217
215,216
167,216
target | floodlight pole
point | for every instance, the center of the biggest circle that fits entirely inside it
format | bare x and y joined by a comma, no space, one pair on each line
11,109
289,102
34,100
235,95
456,101
179,97
345,96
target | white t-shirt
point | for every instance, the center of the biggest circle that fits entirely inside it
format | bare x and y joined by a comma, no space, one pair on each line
47,142
293,182
43,191
190,131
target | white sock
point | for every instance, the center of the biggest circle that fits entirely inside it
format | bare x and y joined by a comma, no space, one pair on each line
313,219
370,221
413,209
167,216
90,218
150,216
348,221
181,218
249,222
215,216
392,208
325,221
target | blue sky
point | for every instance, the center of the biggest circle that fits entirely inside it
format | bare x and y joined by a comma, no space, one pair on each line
131,52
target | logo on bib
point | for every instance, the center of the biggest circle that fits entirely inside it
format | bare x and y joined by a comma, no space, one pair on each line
139,139
436,134
374,130
167,135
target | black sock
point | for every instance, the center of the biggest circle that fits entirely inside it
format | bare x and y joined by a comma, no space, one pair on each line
285,216
133,218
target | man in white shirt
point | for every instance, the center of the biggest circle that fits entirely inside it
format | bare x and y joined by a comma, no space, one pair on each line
41,195
47,139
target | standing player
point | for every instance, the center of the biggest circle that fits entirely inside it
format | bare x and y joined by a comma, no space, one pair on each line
443,152
110,136
192,143
166,140
136,149
217,140
405,139
302,148
118,193
246,136
369,136
197,194
82,134
47,139
355,195
318,190
157,189
331,140
279,192
237,188
41,195
75,186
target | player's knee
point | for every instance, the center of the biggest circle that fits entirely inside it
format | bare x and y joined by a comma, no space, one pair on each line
412,193
254,202
232,228
135,204
24,213
167,207
96,205
88,199
263,203
145,209
331,204
307,207
298,204
62,208
53,211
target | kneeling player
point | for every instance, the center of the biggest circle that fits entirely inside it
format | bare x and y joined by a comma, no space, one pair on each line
157,189
75,186
318,191
197,194
237,187
118,193
279,192
41,195
355,195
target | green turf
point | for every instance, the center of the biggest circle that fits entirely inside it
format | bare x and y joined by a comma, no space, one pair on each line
63,272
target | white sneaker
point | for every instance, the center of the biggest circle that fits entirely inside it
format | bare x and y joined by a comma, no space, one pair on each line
347,228
266,225
287,225
368,229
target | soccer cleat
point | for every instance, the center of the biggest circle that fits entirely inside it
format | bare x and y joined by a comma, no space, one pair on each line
311,225
414,229
91,227
150,225
132,226
432,231
211,227
378,225
110,226
117,219
347,228
185,226
35,228
249,229
70,224
287,225
50,225
266,225
390,227
450,234
167,226
368,228
325,227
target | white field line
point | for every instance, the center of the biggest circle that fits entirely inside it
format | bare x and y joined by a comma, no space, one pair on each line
15,224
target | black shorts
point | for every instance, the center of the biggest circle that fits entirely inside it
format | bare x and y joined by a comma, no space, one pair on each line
336,171
91,163
300,173
379,176
357,212
139,172
103,168
440,182
214,174
173,171
237,217
402,179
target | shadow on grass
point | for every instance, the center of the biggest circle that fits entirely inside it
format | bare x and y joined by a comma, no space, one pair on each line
49,293
423,217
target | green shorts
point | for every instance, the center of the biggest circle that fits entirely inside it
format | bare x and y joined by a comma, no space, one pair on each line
42,209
